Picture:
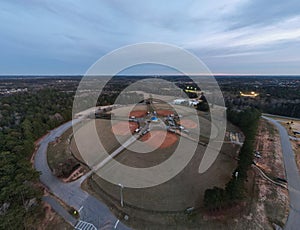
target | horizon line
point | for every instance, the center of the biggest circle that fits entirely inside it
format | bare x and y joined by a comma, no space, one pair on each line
154,74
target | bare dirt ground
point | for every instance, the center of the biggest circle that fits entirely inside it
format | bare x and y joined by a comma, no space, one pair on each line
296,148
138,113
53,221
270,202
164,112
154,137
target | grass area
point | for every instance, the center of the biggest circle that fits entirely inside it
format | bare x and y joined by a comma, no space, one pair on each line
60,158
163,205
173,194
58,151
168,220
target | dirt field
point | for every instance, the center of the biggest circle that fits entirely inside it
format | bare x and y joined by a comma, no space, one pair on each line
189,124
164,112
138,113
154,137
124,128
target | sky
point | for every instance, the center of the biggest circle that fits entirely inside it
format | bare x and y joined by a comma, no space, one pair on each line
230,37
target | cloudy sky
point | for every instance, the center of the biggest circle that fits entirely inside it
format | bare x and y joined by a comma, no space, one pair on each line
68,36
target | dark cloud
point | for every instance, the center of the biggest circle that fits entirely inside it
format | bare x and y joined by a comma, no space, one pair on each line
263,12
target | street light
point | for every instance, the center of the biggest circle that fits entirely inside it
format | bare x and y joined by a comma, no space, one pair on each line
121,194
236,174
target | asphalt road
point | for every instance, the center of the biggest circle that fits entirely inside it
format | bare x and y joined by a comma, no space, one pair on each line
293,177
92,210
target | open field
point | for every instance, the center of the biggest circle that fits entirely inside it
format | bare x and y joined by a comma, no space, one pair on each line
184,190
165,202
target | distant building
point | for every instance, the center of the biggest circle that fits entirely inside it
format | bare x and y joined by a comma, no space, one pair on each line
190,102
179,101
252,94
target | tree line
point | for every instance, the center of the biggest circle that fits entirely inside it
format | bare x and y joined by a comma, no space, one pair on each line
217,198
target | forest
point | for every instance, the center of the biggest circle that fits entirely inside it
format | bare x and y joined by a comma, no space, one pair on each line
24,118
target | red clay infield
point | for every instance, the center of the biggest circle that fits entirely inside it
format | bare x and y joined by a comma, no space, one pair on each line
154,139
138,113
124,128
188,123
164,112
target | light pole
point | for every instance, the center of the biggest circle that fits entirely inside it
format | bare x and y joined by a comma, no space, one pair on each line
121,194
236,175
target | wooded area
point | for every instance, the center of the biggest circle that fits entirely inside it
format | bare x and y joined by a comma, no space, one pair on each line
23,119
217,198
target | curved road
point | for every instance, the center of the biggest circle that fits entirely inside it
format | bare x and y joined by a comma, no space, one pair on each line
91,209
293,177
97,213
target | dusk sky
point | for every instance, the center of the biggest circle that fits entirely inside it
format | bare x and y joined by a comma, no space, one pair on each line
68,36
